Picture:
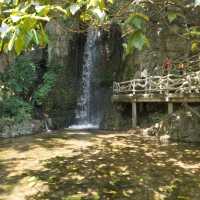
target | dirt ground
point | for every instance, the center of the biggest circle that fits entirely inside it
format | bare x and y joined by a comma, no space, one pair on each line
96,165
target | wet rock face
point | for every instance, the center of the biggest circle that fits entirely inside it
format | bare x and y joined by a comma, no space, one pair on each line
65,51
59,38
108,69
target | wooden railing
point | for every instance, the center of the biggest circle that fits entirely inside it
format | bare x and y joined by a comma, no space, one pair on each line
171,83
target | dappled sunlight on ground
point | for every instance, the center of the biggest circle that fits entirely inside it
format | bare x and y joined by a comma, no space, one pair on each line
100,165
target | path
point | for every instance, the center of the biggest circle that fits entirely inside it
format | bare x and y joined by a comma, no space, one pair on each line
102,165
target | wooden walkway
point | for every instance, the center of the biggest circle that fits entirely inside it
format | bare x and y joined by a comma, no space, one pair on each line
170,89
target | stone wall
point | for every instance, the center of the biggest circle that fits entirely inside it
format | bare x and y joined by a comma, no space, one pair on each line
183,126
10,129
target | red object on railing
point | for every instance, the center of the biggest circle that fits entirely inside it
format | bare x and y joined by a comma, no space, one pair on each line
167,64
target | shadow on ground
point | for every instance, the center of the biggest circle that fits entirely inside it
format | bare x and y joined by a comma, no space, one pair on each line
7,181
123,168
119,167
45,140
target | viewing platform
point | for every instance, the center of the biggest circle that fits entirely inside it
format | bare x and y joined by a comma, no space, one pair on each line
169,89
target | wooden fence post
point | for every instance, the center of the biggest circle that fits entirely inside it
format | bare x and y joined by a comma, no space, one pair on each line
114,87
134,114
160,84
146,84
170,107
133,85
167,84
150,86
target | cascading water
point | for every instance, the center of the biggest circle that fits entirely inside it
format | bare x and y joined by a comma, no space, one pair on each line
85,117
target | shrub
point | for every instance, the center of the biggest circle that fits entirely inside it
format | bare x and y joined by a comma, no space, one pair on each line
16,108
43,90
23,89
20,77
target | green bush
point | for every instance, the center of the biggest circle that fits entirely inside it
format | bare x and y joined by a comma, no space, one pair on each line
16,108
17,82
22,89
43,90
20,77
49,81
6,122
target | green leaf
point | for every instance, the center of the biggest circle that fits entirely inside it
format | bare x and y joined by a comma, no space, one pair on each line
16,2
59,8
1,45
137,20
12,41
27,24
42,10
19,44
96,4
137,40
172,16
35,36
139,15
195,46
92,3
102,5
28,38
195,33
43,37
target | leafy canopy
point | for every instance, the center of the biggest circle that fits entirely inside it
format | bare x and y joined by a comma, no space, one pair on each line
23,21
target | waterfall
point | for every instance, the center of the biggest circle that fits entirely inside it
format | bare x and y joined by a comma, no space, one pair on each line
84,114
47,127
